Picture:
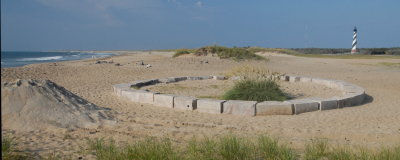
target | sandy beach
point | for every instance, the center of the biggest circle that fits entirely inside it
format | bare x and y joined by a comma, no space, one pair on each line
373,124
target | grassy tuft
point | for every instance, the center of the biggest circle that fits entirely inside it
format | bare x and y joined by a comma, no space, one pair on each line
146,149
255,90
252,72
6,147
317,149
232,148
205,150
8,150
181,52
270,149
235,148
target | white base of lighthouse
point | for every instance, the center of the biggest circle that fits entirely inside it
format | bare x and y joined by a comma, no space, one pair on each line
354,51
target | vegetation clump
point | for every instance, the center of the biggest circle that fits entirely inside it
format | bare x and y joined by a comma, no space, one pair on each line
253,72
256,83
228,147
8,149
232,147
255,90
146,149
181,52
225,52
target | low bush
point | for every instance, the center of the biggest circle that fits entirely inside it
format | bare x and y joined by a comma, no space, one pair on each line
255,90
225,52
181,52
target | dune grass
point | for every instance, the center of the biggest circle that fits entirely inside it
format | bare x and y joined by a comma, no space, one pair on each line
228,53
8,150
319,149
231,147
146,149
181,52
6,147
255,90
253,72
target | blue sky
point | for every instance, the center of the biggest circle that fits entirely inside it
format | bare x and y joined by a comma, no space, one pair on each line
41,25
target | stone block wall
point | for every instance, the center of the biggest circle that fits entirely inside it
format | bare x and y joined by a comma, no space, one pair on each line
353,95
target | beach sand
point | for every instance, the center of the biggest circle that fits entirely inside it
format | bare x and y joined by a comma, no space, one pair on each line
372,125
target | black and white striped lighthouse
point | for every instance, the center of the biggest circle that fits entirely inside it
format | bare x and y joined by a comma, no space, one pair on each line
354,44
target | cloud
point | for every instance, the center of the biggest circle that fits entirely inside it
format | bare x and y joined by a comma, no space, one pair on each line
102,9
199,4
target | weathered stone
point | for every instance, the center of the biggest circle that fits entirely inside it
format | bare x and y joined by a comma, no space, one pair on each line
210,105
284,78
294,78
164,100
138,96
352,99
146,97
180,78
358,99
327,104
274,108
337,84
175,79
304,105
185,103
163,80
320,81
218,77
132,95
145,82
305,79
353,89
119,87
194,78
341,102
206,77
235,78
238,107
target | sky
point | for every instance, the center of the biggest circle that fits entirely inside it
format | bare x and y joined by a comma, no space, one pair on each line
42,25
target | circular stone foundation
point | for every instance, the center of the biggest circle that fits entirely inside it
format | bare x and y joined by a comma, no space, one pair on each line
344,95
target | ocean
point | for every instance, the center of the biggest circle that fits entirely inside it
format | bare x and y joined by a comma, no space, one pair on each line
17,59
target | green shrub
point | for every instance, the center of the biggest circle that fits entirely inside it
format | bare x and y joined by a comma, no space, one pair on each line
181,52
255,90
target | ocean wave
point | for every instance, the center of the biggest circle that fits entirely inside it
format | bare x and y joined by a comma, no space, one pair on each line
40,58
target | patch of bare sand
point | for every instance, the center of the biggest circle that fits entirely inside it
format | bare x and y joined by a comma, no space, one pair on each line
371,125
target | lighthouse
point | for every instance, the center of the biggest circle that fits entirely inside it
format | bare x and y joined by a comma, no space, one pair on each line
354,44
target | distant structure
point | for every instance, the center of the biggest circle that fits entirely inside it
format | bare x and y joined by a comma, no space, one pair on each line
354,44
